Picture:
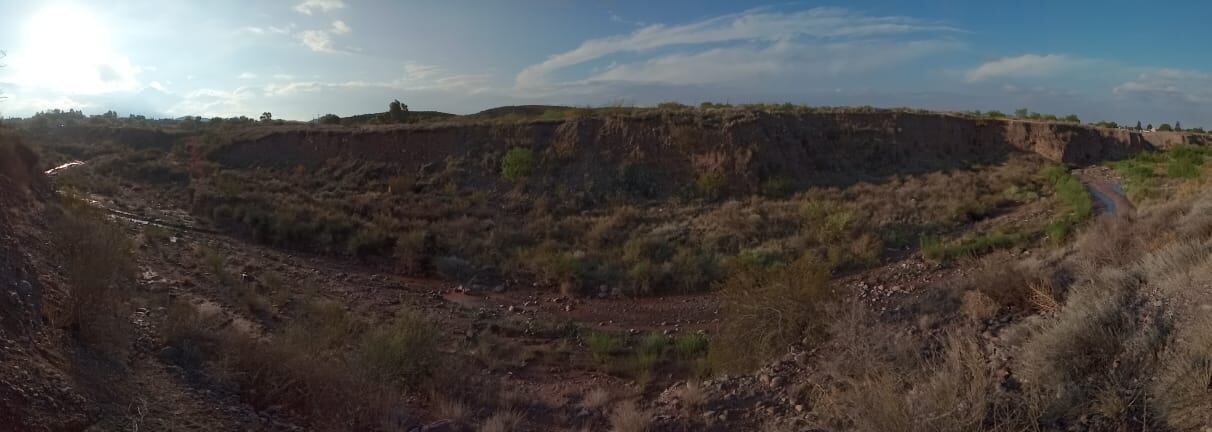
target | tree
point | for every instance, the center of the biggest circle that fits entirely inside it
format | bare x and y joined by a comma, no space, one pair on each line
1138,125
1178,127
1149,127
330,119
1072,118
1021,113
266,117
1165,127
397,112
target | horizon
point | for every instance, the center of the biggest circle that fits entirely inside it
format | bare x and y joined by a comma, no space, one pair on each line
302,59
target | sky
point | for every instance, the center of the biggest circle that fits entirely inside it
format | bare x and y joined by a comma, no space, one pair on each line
298,59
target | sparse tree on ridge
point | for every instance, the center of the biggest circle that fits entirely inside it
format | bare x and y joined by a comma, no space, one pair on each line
266,117
330,119
1138,125
1178,127
397,112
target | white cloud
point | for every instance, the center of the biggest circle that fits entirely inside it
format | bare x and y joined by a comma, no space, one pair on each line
420,71
339,27
322,40
1026,66
317,40
757,28
1169,85
247,76
211,102
782,59
310,6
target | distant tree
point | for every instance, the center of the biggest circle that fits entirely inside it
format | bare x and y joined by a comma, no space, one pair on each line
1138,125
1021,113
330,119
1178,127
266,117
216,121
995,114
1149,127
397,112
1165,127
1072,118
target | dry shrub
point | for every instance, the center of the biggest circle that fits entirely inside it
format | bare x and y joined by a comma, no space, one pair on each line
596,398
628,417
1063,362
691,396
503,421
875,387
99,268
767,310
404,352
452,409
977,306
1181,392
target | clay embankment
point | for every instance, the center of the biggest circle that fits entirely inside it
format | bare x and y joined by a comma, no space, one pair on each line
744,148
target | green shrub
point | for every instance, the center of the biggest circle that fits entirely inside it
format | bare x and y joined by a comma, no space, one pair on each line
710,186
518,163
779,186
602,345
690,346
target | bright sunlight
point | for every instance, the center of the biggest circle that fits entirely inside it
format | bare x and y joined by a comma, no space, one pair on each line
67,48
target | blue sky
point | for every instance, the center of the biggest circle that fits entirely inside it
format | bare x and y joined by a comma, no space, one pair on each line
1106,60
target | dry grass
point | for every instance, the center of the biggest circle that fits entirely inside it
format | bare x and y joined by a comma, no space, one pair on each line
767,310
596,398
452,409
99,268
628,417
691,396
503,421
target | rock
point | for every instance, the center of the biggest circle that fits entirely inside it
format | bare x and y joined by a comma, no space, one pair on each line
799,408
498,289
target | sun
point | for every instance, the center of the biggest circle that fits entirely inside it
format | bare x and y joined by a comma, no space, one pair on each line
66,47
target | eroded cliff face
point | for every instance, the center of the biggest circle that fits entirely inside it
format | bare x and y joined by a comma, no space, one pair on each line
744,148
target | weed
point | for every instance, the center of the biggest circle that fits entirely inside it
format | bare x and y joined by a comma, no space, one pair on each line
602,345
690,346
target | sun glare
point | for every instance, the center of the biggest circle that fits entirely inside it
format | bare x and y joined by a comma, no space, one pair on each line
67,48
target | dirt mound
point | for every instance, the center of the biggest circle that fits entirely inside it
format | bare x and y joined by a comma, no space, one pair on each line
671,151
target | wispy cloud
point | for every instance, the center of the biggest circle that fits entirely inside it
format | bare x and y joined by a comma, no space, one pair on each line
1026,66
322,40
312,6
1169,85
772,36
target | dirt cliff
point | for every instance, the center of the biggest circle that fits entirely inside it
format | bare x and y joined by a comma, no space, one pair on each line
744,148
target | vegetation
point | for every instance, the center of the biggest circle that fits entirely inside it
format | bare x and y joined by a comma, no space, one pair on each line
99,268
518,164
767,310
1159,176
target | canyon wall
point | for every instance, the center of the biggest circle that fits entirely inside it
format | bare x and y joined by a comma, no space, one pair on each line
743,147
